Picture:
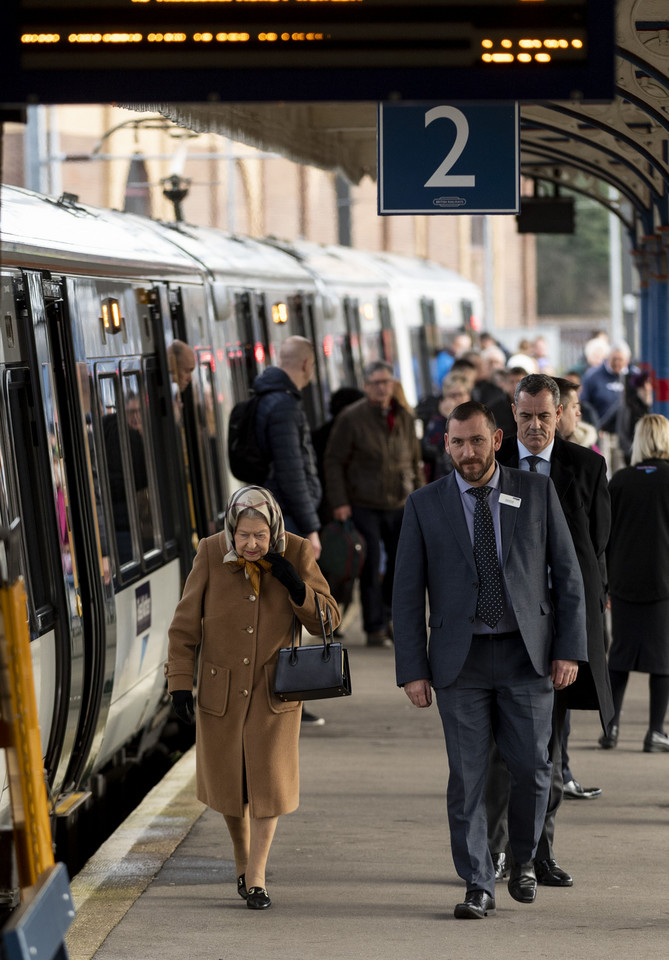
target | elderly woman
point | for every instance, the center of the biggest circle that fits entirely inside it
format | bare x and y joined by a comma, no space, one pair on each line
237,608
638,565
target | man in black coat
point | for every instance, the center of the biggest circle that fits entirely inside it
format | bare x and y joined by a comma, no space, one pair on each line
579,476
283,431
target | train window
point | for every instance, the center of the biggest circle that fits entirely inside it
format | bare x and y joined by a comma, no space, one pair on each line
209,434
115,436
94,468
138,431
162,448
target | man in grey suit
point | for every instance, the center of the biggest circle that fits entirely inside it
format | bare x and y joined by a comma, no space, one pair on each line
481,541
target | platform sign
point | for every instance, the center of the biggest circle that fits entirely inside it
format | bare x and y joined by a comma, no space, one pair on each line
448,158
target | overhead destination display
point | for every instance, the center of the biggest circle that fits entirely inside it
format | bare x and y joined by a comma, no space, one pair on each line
349,49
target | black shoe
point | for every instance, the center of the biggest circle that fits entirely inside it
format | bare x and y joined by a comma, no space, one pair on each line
312,719
523,882
551,875
609,740
241,886
655,742
573,790
378,638
477,905
501,865
258,899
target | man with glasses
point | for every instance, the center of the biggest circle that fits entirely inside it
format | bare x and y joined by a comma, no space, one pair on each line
372,463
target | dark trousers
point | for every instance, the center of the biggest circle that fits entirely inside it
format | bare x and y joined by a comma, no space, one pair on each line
376,592
498,791
497,691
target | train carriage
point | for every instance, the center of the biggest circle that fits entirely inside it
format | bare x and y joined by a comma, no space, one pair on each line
114,471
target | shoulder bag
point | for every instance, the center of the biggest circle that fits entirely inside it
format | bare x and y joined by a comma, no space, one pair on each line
313,672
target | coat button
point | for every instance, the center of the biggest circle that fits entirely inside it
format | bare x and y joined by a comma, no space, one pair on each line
249,629
245,693
213,671
246,661
475,584
252,598
471,619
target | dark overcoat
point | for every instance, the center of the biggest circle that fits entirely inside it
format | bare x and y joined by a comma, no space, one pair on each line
579,476
243,730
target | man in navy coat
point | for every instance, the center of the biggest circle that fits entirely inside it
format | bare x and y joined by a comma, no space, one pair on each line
489,677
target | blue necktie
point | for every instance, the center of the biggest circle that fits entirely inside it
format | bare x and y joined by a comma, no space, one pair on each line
490,603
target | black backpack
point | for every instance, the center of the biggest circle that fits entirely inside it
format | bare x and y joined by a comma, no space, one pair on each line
248,461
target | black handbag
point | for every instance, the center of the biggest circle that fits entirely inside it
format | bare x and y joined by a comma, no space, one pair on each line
314,672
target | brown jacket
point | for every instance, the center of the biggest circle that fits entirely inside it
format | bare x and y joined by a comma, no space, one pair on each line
241,725
368,465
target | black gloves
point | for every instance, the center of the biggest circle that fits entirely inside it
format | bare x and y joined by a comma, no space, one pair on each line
182,700
286,574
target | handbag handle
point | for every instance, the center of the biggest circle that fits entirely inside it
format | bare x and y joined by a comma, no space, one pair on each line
326,640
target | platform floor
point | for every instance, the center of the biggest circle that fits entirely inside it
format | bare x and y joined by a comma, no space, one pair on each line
363,868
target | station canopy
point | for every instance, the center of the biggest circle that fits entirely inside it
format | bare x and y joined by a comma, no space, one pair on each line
615,151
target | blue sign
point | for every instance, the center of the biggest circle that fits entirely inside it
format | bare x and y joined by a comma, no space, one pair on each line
449,158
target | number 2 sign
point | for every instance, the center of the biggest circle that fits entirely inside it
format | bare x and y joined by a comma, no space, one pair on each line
448,158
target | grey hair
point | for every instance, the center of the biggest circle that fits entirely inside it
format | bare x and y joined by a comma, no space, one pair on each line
374,367
535,383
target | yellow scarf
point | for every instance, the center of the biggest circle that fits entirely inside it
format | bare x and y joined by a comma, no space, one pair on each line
252,568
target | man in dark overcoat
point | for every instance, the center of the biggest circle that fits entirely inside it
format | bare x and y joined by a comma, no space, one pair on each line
579,476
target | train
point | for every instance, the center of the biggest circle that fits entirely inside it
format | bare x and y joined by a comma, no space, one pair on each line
115,473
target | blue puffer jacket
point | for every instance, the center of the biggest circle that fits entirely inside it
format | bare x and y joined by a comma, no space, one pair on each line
284,432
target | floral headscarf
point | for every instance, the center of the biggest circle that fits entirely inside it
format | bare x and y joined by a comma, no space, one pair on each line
261,500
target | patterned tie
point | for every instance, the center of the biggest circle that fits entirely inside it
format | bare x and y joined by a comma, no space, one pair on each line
533,461
490,603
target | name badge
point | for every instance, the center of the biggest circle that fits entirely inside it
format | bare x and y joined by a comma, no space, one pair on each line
509,501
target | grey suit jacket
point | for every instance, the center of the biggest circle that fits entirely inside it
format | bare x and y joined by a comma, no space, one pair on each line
435,554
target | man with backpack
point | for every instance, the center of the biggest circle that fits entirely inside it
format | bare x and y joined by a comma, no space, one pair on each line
283,433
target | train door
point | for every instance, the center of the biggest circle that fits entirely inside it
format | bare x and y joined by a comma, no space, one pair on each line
317,393
66,609
248,353
124,455
198,418
388,342
354,335
422,344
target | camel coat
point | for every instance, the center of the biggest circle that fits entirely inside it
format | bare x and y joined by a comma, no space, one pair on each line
243,730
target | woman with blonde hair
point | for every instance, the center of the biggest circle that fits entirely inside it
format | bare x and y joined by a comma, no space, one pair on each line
237,609
638,567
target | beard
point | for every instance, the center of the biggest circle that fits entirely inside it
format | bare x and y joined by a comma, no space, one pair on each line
474,470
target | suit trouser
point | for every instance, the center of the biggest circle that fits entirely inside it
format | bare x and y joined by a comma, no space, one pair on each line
497,690
376,594
498,786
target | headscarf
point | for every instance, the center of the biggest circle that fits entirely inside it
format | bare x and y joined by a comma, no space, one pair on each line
261,500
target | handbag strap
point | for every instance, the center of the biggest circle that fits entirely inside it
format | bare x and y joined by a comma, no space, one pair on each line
326,633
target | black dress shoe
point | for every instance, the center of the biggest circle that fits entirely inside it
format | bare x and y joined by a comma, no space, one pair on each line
523,882
551,875
572,790
609,740
656,742
241,886
477,905
258,899
501,865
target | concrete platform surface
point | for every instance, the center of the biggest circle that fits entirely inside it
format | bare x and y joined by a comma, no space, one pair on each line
363,868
